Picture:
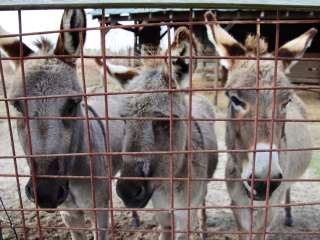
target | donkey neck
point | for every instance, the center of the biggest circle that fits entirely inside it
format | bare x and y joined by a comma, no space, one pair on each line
83,145
197,142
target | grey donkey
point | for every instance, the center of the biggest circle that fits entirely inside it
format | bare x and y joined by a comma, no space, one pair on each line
153,135
257,170
57,76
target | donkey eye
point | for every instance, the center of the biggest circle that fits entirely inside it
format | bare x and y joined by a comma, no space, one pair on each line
284,104
161,125
17,104
183,50
70,107
237,102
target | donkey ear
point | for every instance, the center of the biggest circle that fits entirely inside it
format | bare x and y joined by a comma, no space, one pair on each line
69,43
225,44
11,47
296,48
181,47
121,74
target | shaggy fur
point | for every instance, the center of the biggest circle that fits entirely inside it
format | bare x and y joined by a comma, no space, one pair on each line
57,76
141,136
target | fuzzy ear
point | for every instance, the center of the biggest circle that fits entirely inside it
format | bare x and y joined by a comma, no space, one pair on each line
121,74
181,47
225,44
11,47
296,48
69,42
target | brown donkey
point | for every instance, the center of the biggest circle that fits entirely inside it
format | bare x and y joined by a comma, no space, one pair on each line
141,136
254,168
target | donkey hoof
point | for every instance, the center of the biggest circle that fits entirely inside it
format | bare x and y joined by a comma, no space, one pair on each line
135,222
289,222
204,236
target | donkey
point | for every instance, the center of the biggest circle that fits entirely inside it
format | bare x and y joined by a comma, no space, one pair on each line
153,135
240,135
57,76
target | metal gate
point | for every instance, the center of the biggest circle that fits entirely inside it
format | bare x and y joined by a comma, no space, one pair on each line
21,219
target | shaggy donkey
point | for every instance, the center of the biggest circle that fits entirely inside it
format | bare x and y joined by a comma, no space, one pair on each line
57,76
240,135
147,135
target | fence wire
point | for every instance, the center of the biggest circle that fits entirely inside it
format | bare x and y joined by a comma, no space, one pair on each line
25,227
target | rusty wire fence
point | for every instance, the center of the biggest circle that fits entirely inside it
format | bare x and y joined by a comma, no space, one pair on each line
15,221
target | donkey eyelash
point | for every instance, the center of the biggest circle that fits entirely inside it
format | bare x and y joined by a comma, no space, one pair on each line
18,106
285,104
164,125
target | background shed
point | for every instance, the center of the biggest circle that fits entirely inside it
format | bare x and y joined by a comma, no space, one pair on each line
306,72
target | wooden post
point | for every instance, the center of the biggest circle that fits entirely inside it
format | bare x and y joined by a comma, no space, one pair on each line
215,84
135,48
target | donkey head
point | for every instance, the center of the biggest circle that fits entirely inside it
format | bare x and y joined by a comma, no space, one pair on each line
44,77
242,103
153,135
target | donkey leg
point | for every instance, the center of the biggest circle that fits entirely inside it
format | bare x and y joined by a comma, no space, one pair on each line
100,220
135,222
74,219
164,221
242,217
202,218
287,209
181,222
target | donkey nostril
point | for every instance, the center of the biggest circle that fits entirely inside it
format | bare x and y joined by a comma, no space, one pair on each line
140,193
62,194
29,191
279,176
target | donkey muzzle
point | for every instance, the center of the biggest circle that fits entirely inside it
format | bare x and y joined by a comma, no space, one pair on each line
259,188
50,193
134,194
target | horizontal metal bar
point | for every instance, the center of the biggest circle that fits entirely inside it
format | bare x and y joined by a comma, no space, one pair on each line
125,209
316,120
223,4
163,179
181,90
138,230
160,152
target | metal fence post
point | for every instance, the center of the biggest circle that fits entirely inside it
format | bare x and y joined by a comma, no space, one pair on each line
1,237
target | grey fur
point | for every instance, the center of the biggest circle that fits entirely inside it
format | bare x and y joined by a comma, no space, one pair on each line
240,134
142,136
293,164
56,76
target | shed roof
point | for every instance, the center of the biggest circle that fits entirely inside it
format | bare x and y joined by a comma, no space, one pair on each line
132,11
239,4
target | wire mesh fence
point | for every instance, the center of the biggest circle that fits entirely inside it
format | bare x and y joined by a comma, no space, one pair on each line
144,153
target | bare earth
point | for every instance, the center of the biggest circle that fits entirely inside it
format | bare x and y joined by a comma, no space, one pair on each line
306,218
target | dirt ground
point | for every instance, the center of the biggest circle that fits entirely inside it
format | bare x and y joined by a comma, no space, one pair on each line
306,218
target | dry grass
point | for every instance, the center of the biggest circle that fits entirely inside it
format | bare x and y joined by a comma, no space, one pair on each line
92,72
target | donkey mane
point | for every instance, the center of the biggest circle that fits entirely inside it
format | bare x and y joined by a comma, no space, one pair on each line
266,70
43,44
251,44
